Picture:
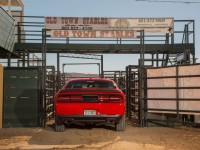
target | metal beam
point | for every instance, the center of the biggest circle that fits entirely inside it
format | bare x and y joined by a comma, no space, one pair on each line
104,48
82,56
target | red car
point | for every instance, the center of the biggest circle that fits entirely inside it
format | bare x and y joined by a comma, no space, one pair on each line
90,100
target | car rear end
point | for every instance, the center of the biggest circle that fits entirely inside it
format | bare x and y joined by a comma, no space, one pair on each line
90,101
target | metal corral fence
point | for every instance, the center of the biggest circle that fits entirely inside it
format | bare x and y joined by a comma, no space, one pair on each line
171,95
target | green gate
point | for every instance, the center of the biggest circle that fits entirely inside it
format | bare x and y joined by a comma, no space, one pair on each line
22,98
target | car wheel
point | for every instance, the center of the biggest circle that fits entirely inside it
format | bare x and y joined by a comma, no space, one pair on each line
120,126
60,128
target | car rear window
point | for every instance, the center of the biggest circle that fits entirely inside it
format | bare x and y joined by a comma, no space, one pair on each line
90,84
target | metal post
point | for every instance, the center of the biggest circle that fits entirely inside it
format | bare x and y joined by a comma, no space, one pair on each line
44,76
102,74
172,38
157,57
54,92
23,62
18,63
167,38
28,59
9,59
99,70
63,68
63,73
152,62
58,72
141,64
19,33
177,93
194,59
186,34
164,63
129,95
127,88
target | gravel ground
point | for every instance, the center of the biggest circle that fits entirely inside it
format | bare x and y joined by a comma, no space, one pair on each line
101,137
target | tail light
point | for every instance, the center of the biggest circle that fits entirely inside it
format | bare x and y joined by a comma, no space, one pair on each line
69,98
76,98
104,98
110,98
101,98
64,98
115,98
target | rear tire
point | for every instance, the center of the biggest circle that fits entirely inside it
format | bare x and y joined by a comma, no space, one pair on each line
60,128
121,125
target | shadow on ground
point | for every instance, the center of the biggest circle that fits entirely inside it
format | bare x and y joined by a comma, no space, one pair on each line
79,136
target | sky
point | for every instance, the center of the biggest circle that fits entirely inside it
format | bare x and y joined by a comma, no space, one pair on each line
118,9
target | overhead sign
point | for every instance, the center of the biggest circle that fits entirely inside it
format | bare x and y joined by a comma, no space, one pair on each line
149,25
92,34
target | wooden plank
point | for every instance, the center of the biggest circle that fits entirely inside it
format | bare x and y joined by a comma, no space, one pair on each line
1,95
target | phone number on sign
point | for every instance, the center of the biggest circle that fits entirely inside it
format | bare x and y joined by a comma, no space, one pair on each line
77,28
151,20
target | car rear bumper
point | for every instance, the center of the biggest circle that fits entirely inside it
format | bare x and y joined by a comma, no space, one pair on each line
89,119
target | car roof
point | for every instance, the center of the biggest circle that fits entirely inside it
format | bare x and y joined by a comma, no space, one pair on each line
92,79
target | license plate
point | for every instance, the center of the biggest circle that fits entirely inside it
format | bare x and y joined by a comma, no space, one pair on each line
89,112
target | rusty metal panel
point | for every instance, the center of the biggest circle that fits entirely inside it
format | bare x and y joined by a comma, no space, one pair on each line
21,97
20,112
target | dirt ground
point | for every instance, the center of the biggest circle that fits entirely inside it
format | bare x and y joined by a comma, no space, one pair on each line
80,137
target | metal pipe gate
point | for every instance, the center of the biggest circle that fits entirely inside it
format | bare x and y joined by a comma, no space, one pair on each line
133,94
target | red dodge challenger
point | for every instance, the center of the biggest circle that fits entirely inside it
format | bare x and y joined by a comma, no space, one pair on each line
90,100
